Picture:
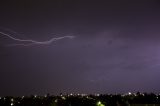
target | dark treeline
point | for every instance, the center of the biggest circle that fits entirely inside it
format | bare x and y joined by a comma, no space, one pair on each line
135,99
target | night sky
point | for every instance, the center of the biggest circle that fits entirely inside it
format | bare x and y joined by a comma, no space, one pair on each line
116,48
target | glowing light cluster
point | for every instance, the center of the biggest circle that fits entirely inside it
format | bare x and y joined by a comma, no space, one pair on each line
12,100
12,104
129,93
99,103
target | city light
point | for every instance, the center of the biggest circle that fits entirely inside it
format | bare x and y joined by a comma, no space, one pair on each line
97,94
100,104
22,97
56,101
12,100
63,98
129,93
35,96
71,94
11,104
127,99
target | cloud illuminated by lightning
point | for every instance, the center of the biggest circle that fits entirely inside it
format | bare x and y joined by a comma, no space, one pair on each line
29,42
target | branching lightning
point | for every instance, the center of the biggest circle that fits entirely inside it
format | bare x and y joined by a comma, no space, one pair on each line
29,42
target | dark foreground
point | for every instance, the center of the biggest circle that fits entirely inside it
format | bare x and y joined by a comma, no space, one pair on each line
135,99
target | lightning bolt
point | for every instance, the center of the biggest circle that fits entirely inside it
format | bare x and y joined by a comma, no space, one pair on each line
29,42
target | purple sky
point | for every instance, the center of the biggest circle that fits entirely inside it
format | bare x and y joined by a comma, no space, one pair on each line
116,48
